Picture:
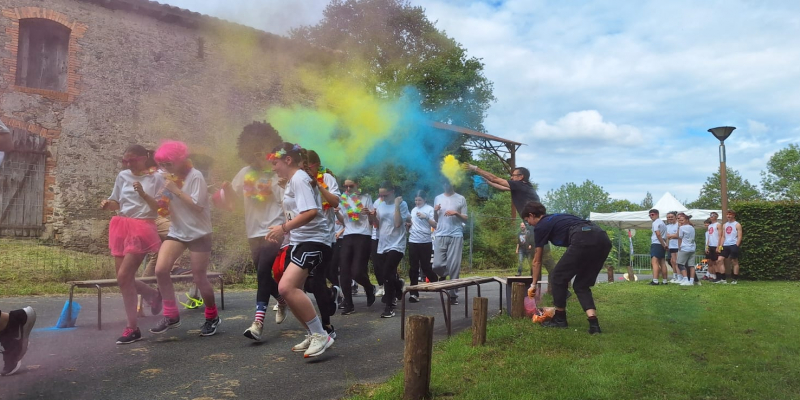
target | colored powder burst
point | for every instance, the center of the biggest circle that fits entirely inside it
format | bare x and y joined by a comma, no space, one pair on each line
451,169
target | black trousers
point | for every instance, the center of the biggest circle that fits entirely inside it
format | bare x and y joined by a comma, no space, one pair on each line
333,270
264,254
419,256
389,262
377,269
354,262
583,260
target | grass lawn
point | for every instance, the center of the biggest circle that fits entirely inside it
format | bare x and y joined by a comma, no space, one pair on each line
709,342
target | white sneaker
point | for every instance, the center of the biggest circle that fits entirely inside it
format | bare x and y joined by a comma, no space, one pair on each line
280,314
319,343
686,282
380,291
733,282
254,331
302,346
674,280
275,308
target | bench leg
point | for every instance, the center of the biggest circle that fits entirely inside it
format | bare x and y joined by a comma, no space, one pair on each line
99,308
466,301
403,316
222,292
501,297
69,306
447,315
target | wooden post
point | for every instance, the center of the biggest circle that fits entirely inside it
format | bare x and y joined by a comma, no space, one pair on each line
518,293
610,274
480,308
417,357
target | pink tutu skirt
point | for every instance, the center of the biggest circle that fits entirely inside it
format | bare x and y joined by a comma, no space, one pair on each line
132,236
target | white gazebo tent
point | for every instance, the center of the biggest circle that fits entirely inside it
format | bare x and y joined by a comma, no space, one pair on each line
641,219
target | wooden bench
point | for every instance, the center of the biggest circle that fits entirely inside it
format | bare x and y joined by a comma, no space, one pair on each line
101,283
442,287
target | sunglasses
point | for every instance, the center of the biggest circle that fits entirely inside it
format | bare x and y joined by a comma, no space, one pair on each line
165,164
127,161
516,174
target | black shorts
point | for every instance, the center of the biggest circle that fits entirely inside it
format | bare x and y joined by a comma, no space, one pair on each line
308,256
671,251
731,252
712,253
201,245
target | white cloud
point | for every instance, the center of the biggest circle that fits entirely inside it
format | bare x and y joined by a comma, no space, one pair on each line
588,128
757,128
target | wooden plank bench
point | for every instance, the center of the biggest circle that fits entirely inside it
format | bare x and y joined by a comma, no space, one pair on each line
101,283
442,287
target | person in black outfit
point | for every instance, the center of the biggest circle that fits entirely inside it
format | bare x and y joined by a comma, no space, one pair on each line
587,249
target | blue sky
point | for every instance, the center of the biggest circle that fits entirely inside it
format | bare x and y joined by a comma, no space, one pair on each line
621,93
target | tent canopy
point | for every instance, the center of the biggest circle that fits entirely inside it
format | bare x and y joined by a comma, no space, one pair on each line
641,219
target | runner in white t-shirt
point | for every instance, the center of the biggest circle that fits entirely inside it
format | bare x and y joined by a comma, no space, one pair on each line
391,215
309,241
356,242
132,233
450,212
686,249
732,241
672,237
658,247
259,191
714,233
185,200
420,243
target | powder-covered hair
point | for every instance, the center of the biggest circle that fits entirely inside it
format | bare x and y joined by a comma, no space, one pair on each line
140,151
172,151
256,136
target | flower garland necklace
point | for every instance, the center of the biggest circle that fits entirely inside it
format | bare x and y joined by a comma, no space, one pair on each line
149,171
321,182
254,188
354,206
166,195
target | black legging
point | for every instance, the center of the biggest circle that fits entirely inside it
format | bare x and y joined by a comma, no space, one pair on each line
583,260
353,266
318,286
333,268
419,255
389,262
264,254
376,262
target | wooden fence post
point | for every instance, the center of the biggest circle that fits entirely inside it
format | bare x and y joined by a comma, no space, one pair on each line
417,357
518,294
480,308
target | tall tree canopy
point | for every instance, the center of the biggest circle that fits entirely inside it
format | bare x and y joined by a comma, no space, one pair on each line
400,47
781,180
576,200
738,189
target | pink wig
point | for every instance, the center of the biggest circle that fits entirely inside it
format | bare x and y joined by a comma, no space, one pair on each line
172,151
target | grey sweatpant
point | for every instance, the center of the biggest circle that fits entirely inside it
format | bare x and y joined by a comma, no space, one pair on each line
447,258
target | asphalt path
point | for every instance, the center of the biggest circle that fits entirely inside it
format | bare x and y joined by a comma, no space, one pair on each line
84,363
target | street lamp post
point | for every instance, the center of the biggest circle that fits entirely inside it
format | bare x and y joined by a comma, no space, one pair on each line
722,133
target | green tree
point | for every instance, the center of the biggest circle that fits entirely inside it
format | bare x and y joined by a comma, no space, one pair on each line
647,202
577,200
738,189
781,180
401,47
618,206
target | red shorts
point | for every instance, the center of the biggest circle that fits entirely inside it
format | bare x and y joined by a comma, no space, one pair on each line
280,264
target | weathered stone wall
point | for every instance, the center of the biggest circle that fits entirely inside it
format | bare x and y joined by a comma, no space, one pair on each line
135,79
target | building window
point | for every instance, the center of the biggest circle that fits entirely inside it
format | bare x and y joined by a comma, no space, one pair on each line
42,54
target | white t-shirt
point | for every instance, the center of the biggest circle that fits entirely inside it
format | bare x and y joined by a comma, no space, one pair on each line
2,155
375,231
259,215
187,224
671,230
391,237
686,234
420,231
330,214
298,197
131,204
450,226
362,226
731,234
712,240
658,226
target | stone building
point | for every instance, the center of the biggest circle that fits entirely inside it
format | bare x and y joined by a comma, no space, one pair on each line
80,80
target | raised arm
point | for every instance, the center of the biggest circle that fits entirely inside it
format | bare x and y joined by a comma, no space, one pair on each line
494,181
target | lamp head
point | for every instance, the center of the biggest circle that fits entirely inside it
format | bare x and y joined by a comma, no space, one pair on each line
722,132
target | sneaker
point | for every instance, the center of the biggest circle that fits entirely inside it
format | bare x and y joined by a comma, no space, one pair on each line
733,282
331,331
652,283
355,289
380,291
254,331
720,280
210,327
388,312
15,339
555,323
348,309
336,292
166,324
686,283
318,344
129,336
276,307
280,314
594,329
371,296
303,346
157,304
454,301
674,280
413,298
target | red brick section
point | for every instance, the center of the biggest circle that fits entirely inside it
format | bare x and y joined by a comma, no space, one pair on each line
52,136
8,66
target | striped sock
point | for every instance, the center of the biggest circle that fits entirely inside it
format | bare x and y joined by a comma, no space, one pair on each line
261,309
211,312
170,309
281,301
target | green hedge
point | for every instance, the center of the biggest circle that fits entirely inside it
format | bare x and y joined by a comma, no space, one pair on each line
770,239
